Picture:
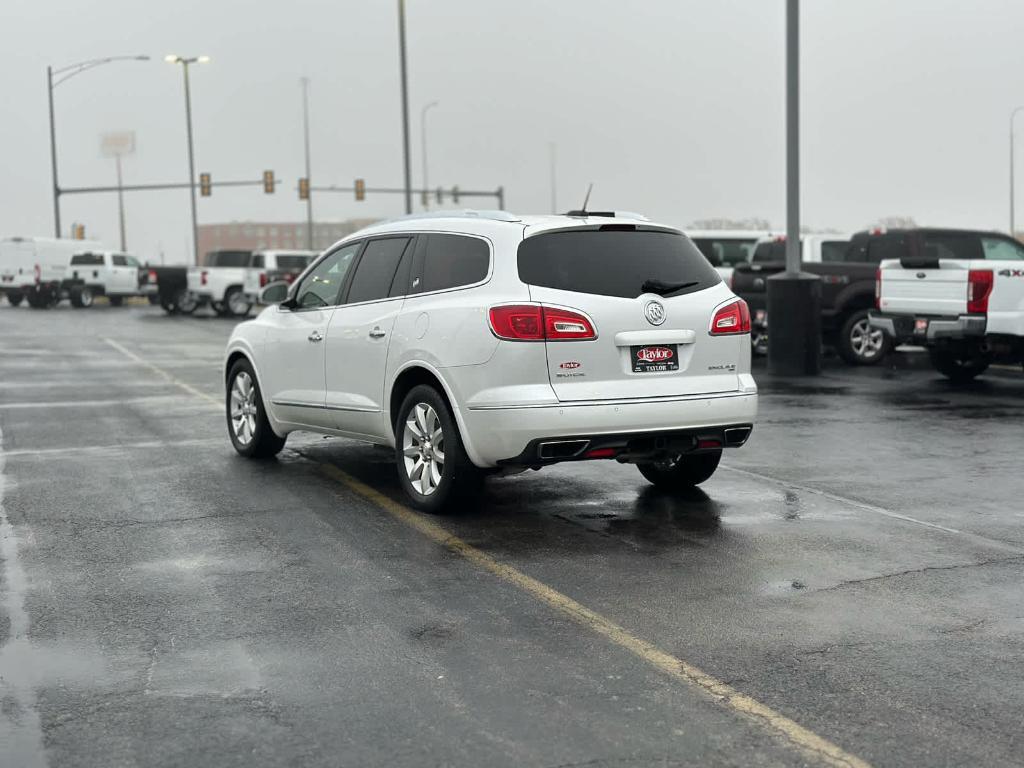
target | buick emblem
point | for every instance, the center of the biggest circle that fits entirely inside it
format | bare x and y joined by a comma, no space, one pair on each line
655,312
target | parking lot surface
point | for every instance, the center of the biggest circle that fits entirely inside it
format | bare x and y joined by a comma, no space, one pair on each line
845,591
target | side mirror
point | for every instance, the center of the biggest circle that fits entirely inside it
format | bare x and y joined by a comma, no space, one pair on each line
275,293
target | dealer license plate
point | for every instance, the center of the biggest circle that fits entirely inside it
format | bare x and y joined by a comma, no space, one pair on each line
654,358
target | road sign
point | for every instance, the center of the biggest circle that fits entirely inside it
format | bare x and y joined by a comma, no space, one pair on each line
117,143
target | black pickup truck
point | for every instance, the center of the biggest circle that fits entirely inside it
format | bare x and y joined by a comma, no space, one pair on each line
847,289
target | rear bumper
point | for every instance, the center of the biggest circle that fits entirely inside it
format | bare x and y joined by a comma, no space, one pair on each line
512,436
903,328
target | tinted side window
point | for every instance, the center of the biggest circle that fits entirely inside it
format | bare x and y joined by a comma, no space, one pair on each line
295,262
836,251
882,247
400,285
1000,249
774,250
453,260
119,261
320,287
952,245
87,260
376,269
257,260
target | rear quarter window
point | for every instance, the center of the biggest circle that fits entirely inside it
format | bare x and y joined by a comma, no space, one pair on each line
450,261
613,262
769,252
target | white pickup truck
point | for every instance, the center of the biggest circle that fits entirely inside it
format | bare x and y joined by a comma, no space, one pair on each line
726,248
271,266
219,282
959,293
92,273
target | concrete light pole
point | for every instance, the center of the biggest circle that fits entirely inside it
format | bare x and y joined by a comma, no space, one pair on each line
794,297
309,180
1013,114
405,106
55,77
185,63
423,150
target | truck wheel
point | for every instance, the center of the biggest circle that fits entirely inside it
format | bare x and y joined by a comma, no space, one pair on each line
859,343
236,303
154,299
681,472
115,301
958,368
39,298
433,468
248,427
81,297
185,303
15,298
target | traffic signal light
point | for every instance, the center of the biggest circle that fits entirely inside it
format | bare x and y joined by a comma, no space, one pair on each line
303,188
268,182
360,189
440,196
455,194
205,185
424,198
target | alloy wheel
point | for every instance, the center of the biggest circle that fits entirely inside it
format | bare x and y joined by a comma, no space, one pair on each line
243,408
423,449
866,342
237,303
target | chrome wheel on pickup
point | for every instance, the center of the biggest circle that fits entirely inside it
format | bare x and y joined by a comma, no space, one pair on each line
859,343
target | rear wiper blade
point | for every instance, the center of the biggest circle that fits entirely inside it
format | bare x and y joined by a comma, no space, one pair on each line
663,289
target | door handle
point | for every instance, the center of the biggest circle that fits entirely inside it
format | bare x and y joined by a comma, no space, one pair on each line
377,333
315,336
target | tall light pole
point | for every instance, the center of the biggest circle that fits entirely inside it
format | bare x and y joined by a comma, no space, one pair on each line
551,161
423,141
1013,114
405,105
185,62
55,77
309,181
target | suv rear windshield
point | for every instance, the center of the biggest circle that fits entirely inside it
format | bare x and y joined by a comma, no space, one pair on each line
87,260
228,258
614,262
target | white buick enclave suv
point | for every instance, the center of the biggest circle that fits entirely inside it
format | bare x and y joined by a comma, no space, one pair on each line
481,342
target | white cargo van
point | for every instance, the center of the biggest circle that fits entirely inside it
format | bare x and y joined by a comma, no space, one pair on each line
33,268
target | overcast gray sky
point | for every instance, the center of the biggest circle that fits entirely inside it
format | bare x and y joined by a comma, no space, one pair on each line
673,108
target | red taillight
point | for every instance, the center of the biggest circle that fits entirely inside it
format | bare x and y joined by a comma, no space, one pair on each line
37,272
263,279
732,318
152,275
289,277
202,277
533,322
708,443
979,288
878,288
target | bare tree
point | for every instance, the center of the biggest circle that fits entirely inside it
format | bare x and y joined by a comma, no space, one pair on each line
724,223
895,222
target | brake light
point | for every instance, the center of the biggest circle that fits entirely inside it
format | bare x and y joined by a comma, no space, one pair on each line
732,318
600,453
263,279
979,288
152,275
202,277
533,322
37,273
878,288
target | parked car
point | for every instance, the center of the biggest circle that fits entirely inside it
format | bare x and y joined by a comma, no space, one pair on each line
273,266
960,293
725,248
847,274
219,282
95,273
33,268
482,343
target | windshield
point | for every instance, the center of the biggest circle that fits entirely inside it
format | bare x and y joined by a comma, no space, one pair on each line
615,262
228,258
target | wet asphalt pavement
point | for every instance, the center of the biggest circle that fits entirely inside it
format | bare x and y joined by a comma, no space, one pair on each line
856,568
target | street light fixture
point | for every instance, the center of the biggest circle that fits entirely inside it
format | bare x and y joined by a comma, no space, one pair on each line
423,141
185,61
1013,114
63,74
405,106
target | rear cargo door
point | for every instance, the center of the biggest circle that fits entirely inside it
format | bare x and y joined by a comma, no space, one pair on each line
651,341
920,291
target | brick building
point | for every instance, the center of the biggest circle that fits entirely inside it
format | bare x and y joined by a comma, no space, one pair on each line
266,235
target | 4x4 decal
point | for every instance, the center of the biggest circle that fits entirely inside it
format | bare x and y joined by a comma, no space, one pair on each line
1011,273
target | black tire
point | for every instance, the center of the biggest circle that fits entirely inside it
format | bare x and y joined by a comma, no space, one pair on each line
14,299
154,299
859,343
115,301
251,436
683,472
959,368
39,299
82,297
235,304
184,303
458,481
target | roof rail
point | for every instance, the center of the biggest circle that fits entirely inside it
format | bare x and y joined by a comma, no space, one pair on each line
465,213
608,214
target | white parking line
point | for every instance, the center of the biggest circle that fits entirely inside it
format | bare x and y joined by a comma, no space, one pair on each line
188,401
162,373
21,732
76,451
874,509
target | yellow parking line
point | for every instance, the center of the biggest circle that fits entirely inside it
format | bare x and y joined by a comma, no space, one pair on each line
805,740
